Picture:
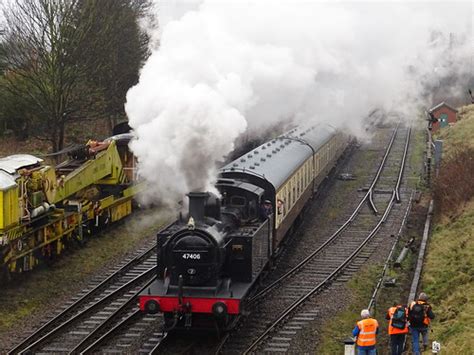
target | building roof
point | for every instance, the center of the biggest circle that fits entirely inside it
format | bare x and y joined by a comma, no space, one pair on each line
277,159
441,105
12,163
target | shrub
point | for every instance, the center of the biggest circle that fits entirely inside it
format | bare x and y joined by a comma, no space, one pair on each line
454,187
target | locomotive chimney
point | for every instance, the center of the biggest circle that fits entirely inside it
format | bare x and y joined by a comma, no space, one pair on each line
197,202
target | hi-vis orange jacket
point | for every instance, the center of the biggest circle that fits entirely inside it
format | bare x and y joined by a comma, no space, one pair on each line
393,330
367,332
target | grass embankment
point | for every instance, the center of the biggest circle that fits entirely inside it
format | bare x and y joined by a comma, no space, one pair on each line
448,279
449,268
41,292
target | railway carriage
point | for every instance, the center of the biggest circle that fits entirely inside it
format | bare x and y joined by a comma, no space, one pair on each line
209,261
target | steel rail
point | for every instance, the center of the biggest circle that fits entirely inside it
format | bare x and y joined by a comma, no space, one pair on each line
270,287
323,283
93,347
379,171
156,348
222,344
405,217
402,167
389,258
78,348
122,270
87,310
79,301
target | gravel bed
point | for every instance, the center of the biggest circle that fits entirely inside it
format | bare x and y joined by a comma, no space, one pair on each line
308,339
31,300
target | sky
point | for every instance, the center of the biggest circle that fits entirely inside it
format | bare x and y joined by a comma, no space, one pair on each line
223,69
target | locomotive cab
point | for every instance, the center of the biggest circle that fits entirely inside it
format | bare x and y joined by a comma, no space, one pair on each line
242,197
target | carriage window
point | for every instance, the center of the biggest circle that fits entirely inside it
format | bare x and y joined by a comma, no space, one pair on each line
280,207
238,201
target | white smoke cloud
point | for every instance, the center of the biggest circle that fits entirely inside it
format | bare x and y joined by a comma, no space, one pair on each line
225,68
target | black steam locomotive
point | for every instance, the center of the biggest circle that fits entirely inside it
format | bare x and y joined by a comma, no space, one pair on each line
209,261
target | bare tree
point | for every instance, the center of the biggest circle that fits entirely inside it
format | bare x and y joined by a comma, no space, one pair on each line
43,41
70,60
122,48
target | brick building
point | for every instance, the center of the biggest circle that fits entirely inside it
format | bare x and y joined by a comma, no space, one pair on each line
445,114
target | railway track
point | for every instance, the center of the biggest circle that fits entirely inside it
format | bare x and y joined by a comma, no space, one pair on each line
338,257
94,309
104,318
135,332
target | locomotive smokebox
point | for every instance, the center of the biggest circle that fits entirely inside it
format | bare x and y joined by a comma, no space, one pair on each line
197,203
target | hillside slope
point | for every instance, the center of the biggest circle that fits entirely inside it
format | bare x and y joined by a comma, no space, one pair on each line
448,276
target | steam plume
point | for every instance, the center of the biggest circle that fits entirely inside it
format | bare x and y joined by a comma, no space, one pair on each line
225,68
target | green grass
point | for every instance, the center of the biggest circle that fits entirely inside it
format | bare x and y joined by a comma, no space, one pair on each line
340,327
44,289
449,267
360,288
448,279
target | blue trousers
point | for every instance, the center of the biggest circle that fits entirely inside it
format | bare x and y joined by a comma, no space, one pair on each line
396,343
415,337
366,352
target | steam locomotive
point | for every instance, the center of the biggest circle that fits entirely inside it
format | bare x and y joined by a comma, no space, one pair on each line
209,262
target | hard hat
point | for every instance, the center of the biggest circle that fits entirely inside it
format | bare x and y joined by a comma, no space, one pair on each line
365,313
268,202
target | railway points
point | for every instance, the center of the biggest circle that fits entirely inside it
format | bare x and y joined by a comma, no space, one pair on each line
130,329
324,268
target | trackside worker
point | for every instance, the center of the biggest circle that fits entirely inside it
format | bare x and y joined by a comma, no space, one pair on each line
397,327
366,331
420,315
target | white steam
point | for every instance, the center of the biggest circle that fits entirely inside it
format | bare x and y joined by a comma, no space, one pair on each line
225,68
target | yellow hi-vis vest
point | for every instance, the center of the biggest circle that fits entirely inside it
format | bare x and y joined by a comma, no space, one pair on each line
367,332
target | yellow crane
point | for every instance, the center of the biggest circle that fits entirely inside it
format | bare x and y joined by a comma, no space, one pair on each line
45,208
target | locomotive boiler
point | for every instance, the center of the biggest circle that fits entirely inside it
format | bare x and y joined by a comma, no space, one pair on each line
210,260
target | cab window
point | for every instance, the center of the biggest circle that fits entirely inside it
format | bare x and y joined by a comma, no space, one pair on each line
238,201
